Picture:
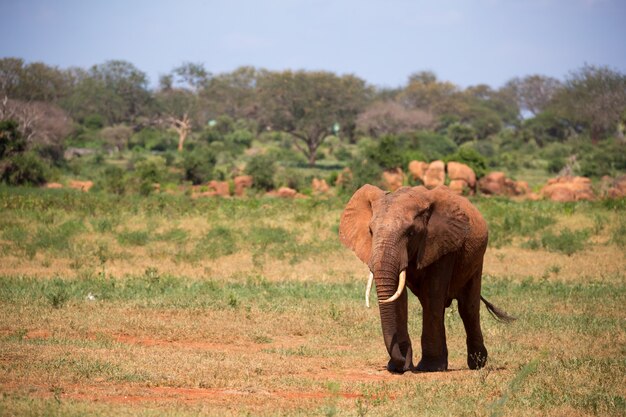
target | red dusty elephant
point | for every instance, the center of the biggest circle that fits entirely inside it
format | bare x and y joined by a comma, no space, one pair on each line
432,241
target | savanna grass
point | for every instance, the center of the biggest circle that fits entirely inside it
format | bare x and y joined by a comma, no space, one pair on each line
242,339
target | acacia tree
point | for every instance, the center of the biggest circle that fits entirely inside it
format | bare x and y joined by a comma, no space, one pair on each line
233,94
115,90
40,124
179,101
594,97
387,117
427,93
533,93
308,104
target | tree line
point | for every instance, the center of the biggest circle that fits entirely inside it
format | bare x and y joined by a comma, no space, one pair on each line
49,103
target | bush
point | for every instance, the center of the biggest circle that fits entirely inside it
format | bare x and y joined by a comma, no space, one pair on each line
470,157
566,241
290,177
24,169
93,121
113,180
461,133
198,164
262,168
117,136
606,158
433,145
545,128
149,172
153,140
11,140
364,171
388,153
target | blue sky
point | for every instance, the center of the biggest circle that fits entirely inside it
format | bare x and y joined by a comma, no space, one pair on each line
462,41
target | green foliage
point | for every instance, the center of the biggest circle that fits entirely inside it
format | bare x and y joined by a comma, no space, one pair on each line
508,219
470,157
153,140
388,152
567,241
262,168
150,171
606,158
56,293
24,169
461,133
547,127
11,140
433,145
18,166
292,178
113,180
93,121
198,164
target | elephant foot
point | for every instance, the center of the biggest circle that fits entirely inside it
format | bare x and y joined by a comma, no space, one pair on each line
429,364
477,358
398,368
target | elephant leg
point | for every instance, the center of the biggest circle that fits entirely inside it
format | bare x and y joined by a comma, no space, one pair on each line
432,293
469,309
396,335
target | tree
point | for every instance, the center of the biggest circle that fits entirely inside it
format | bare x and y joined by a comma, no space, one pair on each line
533,93
117,90
42,125
388,117
307,105
233,94
178,99
10,76
425,92
17,165
594,98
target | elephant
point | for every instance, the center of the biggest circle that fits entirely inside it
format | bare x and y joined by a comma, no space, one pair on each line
432,241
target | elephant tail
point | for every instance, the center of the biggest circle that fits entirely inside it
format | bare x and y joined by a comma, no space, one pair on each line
497,313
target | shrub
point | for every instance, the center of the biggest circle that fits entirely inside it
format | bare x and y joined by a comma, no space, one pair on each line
364,171
606,158
544,128
470,157
261,168
461,133
150,171
566,241
433,145
11,140
113,180
388,152
152,139
117,136
198,164
24,169
93,121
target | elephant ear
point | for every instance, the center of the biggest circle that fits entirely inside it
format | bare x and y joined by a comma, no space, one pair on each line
447,228
354,226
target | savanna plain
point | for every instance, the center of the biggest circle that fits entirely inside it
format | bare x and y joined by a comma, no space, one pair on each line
163,305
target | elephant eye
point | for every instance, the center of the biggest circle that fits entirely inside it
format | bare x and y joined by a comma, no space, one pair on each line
410,232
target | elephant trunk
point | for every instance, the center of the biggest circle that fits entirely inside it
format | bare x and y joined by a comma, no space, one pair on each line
393,315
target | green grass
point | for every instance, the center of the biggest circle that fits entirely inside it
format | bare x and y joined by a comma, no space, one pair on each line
246,338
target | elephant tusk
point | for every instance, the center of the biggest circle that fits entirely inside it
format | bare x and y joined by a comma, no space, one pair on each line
368,289
401,283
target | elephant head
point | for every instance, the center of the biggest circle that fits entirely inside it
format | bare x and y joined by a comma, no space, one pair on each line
390,232
387,231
